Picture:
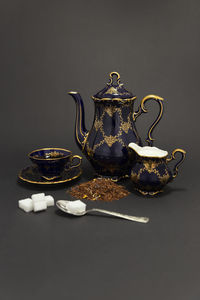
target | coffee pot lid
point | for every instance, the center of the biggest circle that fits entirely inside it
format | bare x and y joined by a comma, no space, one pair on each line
114,90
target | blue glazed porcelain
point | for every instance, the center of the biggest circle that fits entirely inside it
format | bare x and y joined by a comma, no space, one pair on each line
106,144
32,175
52,162
150,173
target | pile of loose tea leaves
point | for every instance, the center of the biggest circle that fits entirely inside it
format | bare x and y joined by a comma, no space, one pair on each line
99,189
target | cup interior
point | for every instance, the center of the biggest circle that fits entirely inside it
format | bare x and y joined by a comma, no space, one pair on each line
49,154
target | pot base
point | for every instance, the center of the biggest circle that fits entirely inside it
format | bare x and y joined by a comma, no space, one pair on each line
113,178
145,193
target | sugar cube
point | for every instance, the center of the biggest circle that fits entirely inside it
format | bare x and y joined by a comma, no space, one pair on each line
49,200
38,197
26,204
76,206
39,205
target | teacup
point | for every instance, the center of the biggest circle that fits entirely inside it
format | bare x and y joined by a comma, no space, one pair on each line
52,162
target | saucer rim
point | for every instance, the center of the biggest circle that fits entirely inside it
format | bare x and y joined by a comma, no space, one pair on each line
48,182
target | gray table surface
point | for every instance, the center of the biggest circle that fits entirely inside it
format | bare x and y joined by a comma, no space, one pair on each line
50,46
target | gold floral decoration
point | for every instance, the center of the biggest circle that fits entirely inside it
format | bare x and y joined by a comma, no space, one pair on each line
110,140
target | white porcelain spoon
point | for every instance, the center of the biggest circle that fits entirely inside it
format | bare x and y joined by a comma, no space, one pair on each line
62,205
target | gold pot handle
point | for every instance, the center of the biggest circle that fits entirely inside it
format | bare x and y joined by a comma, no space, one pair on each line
142,109
183,154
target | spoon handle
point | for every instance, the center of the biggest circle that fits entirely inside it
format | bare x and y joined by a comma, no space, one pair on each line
127,217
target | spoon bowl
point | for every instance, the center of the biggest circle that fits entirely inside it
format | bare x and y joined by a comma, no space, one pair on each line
62,205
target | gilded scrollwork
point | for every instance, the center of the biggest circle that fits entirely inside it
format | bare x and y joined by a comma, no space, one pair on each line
111,91
121,142
98,124
110,140
150,166
124,126
98,145
111,110
53,154
90,152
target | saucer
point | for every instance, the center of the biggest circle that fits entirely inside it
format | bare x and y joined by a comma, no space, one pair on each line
31,175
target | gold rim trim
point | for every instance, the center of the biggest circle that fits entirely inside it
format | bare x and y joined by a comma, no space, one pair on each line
49,182
113,99
51,148
72,92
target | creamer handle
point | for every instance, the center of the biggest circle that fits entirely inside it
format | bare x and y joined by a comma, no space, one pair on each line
183,154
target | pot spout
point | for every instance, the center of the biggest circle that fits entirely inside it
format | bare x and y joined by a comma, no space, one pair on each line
80,131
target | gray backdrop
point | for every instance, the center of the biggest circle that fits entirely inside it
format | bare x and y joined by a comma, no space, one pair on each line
48,47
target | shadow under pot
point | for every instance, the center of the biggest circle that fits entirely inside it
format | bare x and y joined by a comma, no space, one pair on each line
52,162
151,171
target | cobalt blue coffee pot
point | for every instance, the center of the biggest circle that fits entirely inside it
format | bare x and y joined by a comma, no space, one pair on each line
106,143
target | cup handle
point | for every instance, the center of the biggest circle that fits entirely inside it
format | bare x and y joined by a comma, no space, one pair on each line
79,163
183,154
142,109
